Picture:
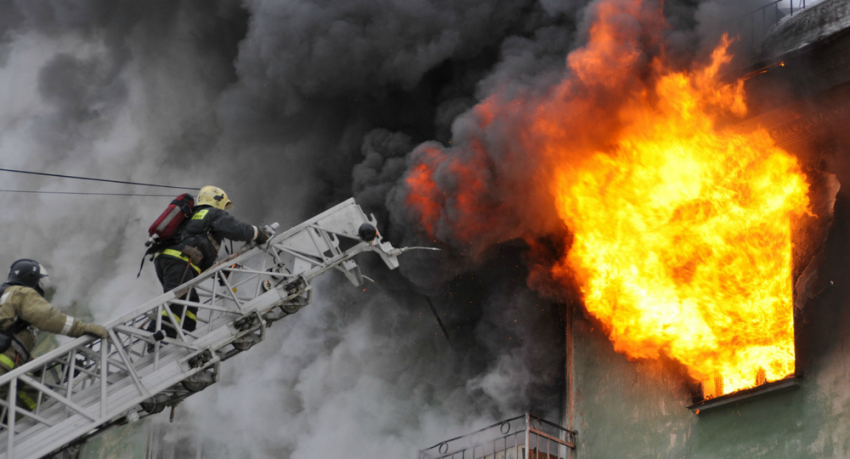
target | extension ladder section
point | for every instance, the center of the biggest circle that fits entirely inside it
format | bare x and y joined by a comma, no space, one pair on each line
90,384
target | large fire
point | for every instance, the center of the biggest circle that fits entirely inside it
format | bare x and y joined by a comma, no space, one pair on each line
681,229
682,236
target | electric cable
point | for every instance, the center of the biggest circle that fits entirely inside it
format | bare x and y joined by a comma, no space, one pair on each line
440,322
75,177
89,194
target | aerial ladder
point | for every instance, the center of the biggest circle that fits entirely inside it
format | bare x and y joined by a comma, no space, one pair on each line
90,384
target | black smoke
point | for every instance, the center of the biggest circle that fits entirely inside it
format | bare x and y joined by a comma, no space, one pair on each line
292,107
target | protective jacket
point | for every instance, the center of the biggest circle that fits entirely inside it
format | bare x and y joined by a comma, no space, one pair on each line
18,302
206,229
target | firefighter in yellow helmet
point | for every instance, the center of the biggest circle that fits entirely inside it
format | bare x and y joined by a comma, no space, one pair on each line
195,248
22,308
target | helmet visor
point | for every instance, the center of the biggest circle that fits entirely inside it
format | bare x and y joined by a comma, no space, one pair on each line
43,278
45,284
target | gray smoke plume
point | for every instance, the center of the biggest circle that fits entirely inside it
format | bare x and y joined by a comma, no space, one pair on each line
293,106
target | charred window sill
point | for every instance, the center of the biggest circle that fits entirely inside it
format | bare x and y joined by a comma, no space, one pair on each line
746,395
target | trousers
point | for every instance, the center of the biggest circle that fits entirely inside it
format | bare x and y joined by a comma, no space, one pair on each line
172,272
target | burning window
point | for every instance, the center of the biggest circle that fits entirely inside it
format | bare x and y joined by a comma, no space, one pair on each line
683,235
681,228
808,235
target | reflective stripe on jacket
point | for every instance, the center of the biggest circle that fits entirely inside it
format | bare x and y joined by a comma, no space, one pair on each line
25,303
177,254
189,315
206,229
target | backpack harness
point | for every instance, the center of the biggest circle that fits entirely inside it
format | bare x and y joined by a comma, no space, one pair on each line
166,227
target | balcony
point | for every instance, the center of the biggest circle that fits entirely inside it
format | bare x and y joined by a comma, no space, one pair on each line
522,437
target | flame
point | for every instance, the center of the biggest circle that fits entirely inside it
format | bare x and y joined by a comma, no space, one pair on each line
681,229
682,235
425,196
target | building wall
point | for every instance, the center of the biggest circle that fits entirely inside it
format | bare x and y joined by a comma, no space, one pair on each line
639,409
625,409
150,438
128,441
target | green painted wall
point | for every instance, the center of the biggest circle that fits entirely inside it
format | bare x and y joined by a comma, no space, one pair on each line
628,409
125,442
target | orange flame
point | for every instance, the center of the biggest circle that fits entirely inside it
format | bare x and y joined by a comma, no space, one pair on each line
425,197
682,235
681,229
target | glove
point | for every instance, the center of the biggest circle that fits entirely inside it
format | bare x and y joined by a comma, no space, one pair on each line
95,330
262,236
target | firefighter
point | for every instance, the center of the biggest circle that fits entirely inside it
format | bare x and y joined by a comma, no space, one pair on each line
23,307
196,249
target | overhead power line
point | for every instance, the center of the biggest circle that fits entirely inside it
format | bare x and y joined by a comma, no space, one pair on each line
98,179
437,316
89,194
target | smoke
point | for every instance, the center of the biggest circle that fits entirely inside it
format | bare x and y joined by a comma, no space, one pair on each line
472,191
364,375
292,107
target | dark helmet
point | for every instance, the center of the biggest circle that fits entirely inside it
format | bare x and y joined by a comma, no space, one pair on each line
28,273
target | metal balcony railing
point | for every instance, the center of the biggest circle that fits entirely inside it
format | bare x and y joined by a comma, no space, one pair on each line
522,437
757,23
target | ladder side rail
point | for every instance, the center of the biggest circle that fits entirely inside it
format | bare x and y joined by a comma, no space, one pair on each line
62,358
128,398
59,357
119,380
46,440
146,307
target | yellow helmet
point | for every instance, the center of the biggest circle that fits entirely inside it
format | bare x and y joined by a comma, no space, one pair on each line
214,196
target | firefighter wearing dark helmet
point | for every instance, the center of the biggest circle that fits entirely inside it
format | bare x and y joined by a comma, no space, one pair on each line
22,308
197,248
